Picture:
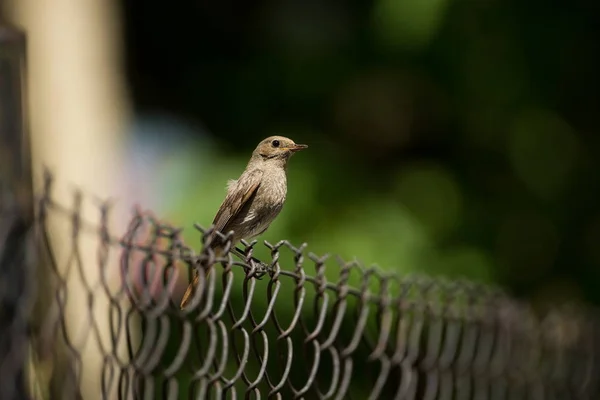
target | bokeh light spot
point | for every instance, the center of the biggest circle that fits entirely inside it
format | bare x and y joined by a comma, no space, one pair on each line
543,151
432,196
396,240
407,24
376,110
466,262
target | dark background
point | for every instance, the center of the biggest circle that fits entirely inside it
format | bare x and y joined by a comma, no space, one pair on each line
446,137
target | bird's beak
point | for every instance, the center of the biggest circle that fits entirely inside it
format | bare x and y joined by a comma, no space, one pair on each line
297,147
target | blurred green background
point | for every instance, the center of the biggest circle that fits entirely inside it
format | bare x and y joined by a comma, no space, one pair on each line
453,138
446,137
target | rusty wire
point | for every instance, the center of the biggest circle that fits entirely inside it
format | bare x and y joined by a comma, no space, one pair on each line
296,326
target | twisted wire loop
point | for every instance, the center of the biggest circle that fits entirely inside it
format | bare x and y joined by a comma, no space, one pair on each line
298,326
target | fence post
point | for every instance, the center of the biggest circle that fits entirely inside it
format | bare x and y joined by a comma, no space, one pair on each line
15,156
16,216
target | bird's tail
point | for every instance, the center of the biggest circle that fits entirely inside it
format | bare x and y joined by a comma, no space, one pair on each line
189,292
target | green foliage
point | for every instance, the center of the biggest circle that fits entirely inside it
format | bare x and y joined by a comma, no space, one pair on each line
425,153
447,137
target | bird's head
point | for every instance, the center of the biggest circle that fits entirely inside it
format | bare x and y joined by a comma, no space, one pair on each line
276,148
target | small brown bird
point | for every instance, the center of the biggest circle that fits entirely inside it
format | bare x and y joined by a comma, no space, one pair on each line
255,199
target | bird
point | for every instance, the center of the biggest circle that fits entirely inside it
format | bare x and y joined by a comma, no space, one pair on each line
252,201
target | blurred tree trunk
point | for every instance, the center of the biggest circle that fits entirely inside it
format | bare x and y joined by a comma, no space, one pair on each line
78,112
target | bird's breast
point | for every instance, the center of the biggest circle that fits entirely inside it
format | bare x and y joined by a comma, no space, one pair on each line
266,204
273,188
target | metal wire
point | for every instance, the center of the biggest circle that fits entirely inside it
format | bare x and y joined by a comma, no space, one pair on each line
295,326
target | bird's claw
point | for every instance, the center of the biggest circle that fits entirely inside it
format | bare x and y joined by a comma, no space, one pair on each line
261,270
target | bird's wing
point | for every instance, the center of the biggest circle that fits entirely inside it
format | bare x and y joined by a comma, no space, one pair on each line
244,188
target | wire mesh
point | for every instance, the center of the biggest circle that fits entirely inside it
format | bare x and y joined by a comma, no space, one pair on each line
295,326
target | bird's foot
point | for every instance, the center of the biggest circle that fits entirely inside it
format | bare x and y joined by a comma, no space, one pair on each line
261,269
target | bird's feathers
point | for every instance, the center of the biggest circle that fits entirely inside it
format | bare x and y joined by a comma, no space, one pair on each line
231,185
254,200
237,195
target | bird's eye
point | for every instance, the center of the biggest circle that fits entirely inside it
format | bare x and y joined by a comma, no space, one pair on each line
275,143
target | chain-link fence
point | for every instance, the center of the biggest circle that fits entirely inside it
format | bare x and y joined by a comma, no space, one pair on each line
102,320
89,314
